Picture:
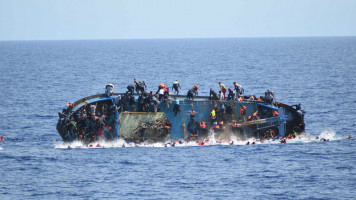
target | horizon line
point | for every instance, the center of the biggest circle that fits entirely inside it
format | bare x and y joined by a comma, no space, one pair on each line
177,38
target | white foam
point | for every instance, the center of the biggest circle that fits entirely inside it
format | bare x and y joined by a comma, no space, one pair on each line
330,135
211,140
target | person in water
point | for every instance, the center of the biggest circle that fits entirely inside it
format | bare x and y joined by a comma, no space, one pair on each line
176,87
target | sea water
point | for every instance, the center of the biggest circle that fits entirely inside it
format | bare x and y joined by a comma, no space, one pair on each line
37,78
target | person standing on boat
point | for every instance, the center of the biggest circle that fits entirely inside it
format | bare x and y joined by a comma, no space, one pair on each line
192,92
139,86
220,96
231,95
136,83
223,88
160,94
161,86
239,89
175,87
195,90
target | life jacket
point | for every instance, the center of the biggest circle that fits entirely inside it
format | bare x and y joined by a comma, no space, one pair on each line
242,110
213,114
234,124
241,99
255,114
175,83
259,99
275,113
196,87
70,105
249,117
238,85
168,127
202,125
162,85
217,127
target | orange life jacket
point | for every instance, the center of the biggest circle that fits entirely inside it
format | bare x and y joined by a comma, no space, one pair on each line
275,113
242,109
238,85
255,114
202,125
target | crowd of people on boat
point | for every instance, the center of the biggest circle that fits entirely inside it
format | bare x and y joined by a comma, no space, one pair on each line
87,124
224,93
149,101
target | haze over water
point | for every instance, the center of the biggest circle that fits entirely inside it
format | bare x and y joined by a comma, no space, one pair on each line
38,78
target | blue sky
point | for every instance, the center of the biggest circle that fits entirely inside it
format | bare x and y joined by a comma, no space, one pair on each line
131,19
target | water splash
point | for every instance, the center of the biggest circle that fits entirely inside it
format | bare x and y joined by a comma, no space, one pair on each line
211,140
329,135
